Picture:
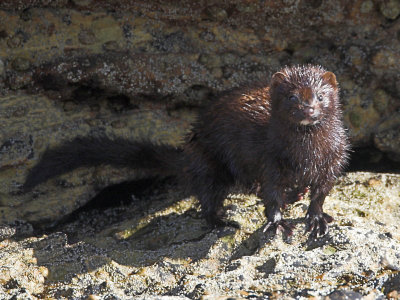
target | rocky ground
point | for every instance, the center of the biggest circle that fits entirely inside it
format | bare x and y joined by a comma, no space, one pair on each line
157,244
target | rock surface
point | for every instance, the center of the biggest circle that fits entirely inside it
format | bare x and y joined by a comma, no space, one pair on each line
33,123
159,245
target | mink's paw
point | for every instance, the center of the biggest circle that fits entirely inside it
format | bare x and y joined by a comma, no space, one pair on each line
317,224
280,226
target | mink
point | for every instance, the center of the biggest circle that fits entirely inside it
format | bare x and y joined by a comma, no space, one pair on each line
286,134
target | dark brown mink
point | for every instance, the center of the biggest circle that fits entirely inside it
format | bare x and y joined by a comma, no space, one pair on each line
286,135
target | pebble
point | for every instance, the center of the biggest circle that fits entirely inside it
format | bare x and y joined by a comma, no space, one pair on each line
390,9
86,37
1,68
21,64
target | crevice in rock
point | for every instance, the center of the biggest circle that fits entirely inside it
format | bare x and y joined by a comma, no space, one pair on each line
370,159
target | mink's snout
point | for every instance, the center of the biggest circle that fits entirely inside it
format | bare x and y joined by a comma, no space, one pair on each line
309,111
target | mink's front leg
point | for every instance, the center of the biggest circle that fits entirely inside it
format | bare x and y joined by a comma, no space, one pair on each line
274,200
316,220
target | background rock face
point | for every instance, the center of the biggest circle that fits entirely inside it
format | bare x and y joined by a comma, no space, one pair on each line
142,69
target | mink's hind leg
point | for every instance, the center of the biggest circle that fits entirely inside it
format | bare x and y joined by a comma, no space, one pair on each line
211,193
209,181
211,203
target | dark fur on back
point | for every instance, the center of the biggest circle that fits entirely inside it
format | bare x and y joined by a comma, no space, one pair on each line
286,135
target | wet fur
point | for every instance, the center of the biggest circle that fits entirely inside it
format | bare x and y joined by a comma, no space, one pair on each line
252,134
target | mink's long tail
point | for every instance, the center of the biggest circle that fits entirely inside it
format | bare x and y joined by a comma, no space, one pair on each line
94,151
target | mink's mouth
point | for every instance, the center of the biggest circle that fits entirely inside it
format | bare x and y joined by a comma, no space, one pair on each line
306,118
308,122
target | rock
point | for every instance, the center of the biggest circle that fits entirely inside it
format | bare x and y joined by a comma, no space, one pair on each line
344,295
392,286
134,49
1,68
390,9
389,141
356,57
82,2
361,120
87,37
21,64
381,100
111,46
140,253
385,59
367,6
34,123
15,41
216,13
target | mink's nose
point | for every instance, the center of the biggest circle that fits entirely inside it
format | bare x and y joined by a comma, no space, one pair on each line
308,111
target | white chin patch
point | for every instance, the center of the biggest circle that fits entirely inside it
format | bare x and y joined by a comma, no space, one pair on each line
305,122
308,122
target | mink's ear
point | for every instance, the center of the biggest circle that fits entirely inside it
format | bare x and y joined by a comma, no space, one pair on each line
330,78
277,78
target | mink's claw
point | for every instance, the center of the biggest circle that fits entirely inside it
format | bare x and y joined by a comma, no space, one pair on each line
317,224
280,226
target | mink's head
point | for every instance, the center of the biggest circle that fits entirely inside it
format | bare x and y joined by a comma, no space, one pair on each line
304,95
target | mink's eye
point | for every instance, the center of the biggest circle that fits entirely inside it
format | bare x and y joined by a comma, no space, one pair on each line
293,98
320,98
